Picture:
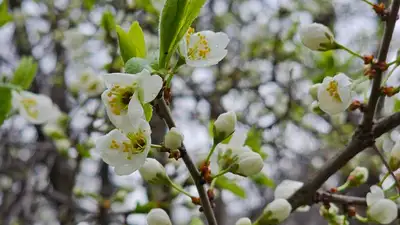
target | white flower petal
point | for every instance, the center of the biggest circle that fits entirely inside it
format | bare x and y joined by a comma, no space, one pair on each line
384,211
375,194
287,188
122,79
127,169
35,107
342,79
238,138
151,86
135,110
111,156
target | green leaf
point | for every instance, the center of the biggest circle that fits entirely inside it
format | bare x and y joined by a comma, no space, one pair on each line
176,18
136,34
262,179
196,221
5,105
88,4
145,208
107,21
126,47
225,183
5,17
253,140
396,106
83,151
25,73
148,111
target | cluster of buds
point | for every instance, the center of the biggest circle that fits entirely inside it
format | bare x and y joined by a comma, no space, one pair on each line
357,105
205,172
371,66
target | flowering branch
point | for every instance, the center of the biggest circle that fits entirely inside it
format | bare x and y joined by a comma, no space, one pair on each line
164,112
365,133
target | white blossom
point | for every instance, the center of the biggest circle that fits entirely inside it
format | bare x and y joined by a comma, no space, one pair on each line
173,139
89,83
225,125
287,188
380,209
334,94
317,37
243,221
394,160
158,217
126,151
204,48
152,171
36,108
125,94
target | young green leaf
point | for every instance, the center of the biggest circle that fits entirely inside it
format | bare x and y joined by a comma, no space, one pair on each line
262,179
148,111
107,21
171,21
5,17
126,46
88,4
136,34
5,106
25,73
225,183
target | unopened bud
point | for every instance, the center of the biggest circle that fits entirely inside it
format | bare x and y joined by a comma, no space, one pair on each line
317,37
153,172
276,211
394,161
249,163
136,65
173,139
224,126
158,217
358,176
243,221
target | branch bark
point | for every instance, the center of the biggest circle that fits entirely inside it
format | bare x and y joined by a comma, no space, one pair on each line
164,112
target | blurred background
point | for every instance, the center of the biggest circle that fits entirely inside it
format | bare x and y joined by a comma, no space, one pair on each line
45,180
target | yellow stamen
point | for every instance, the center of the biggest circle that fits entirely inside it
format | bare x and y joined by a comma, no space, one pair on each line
333,90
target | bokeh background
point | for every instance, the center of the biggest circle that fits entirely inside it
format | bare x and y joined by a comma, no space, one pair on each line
264,79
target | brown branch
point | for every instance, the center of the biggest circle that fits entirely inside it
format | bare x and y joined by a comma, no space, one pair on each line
163,111
323,196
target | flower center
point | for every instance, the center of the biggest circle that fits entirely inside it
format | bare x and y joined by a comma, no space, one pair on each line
332,89
200,49
30,105
136,144
119,98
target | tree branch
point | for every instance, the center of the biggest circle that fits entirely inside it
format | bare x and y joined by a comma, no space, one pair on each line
163,111
365,133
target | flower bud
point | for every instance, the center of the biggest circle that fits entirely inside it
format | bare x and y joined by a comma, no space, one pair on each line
394,161
314,90
158,217
136,65
314,107
224,126
317,37
173,139
358,176
249,163
383,211
276,211
243,221
54,131
62,144
153,172
330,212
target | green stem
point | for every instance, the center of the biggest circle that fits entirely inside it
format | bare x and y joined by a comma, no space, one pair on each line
213,182
178,188
210,153
350,51
156,146
389,74
368,2
361,218
383,179
343,187
394,198
394,62
222,172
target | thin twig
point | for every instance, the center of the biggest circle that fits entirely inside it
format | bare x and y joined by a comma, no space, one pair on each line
386,165
164,112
